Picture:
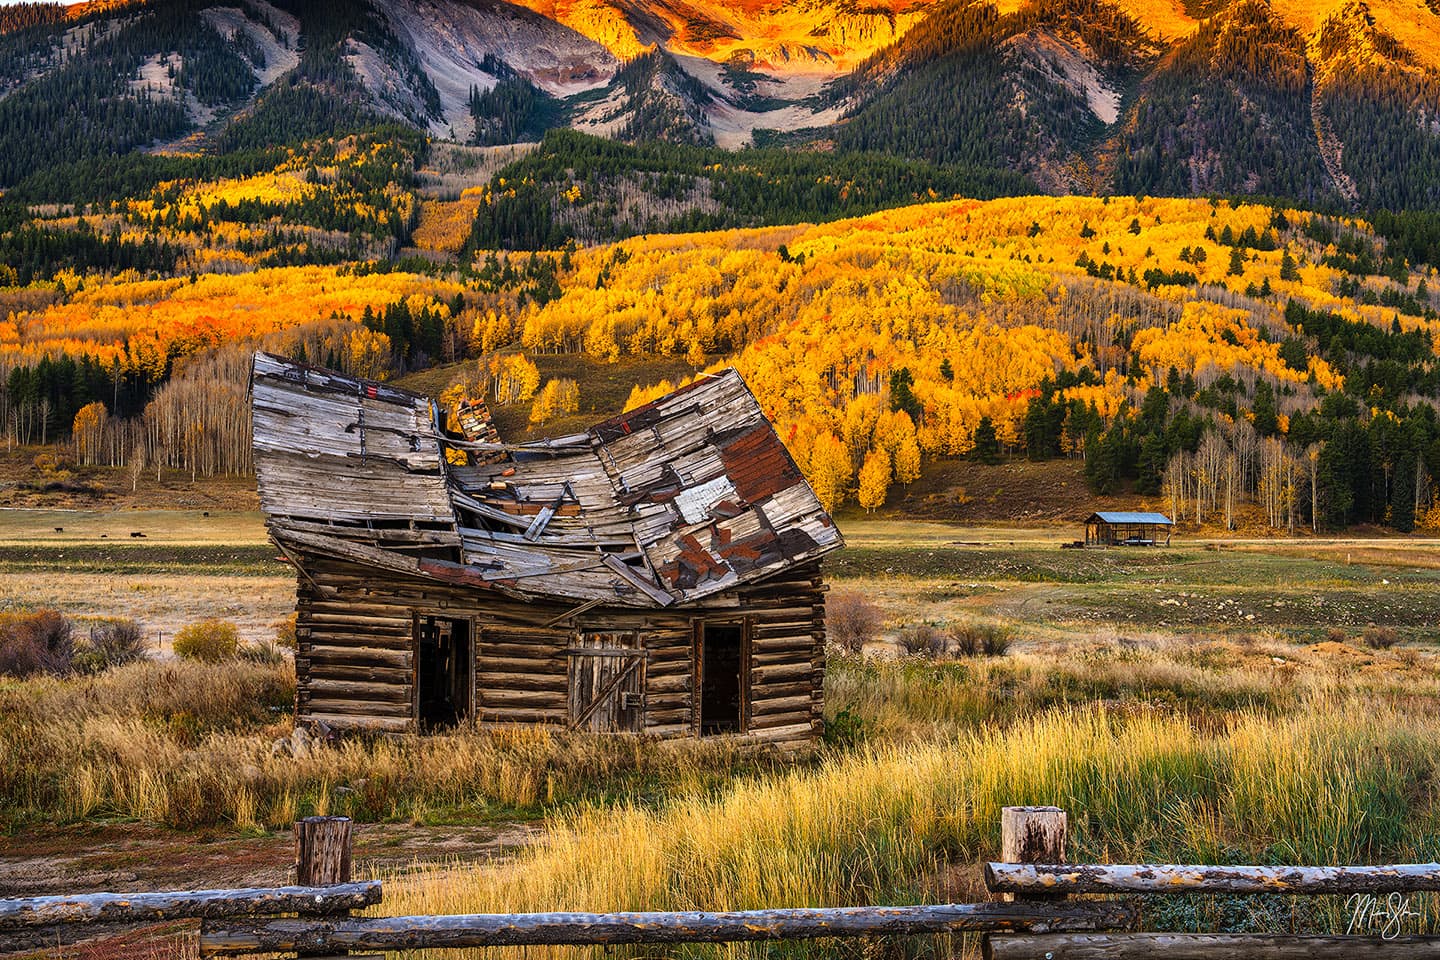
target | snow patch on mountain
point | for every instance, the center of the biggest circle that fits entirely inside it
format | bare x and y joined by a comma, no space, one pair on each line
734,120
279,57
1070,65
451,38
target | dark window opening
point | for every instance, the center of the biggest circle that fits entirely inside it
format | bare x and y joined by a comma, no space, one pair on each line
721,688
445,667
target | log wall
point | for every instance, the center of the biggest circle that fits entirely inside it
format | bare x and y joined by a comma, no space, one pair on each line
355,660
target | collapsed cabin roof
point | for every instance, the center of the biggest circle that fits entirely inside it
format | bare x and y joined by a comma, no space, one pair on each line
672,502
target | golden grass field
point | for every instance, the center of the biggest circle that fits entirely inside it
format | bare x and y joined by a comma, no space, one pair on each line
1215,702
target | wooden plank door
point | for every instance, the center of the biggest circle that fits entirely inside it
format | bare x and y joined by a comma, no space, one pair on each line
607,683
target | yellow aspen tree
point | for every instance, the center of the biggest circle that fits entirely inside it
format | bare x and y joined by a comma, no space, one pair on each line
367,354
695,356
830,471
906,463
89,431
559,396
874,479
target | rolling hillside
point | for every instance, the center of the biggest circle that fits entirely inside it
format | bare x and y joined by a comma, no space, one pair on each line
1199,351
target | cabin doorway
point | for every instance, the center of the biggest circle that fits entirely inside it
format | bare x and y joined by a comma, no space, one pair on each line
722,678
445,669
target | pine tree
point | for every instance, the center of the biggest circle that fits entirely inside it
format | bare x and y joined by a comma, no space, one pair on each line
1288,269
1267,419
1402,494
987,447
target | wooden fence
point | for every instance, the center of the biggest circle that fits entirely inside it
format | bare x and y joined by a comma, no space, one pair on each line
1036,919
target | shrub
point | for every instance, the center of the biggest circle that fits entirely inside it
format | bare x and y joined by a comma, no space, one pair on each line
923,641
1336,635
38,642
285,632
114,643
997,641
262,651
852,620
979,639
1380,638
844,730
209,640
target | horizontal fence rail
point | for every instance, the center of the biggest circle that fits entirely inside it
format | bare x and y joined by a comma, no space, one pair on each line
606,929
1207,946
1035,921
1170,878
204,904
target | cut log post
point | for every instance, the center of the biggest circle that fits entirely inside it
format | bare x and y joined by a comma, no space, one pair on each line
589,929
323,854
322,851
1206,946
1033,835
1170,878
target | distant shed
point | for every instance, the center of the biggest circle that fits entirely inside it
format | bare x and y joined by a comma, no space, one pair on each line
1116,528
658,573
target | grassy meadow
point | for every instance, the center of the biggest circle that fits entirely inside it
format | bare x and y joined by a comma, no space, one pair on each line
1236,702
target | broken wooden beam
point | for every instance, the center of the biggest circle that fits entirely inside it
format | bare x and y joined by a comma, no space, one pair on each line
136,907
560,929
1073,878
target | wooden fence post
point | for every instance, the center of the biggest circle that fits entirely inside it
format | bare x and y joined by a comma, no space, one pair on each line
322,851
323,848
1033,835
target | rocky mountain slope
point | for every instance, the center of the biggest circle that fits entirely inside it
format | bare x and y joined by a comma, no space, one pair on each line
1323,101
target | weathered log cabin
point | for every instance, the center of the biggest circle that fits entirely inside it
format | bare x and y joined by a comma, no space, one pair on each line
659,573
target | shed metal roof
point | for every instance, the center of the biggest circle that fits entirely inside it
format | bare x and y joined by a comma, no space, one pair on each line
669,503
1121,516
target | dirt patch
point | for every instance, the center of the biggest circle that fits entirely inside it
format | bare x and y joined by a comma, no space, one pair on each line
123,858
24,484
1017,491
130,857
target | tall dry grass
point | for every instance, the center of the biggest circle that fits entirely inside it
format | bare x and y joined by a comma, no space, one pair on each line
190,744
1339,783
1200,751
909,698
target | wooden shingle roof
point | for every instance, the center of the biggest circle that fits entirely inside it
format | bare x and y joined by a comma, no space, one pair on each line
667,504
